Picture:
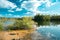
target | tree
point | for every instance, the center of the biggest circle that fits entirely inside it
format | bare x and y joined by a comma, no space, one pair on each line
25,23
38,18
46,17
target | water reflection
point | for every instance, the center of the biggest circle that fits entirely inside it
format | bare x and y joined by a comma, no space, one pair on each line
50,33
49,30
55,22
45,23
7,23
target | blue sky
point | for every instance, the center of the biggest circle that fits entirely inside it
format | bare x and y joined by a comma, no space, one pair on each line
20,8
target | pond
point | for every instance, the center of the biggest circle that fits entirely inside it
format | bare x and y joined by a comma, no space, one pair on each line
7,23
49,31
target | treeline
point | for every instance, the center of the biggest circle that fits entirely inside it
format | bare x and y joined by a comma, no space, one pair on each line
55,18
41,18
46,18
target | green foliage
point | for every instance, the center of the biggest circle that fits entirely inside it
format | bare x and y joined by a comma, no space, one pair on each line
38,18
41,18
25,23
1,27
55,18
21,24
46,17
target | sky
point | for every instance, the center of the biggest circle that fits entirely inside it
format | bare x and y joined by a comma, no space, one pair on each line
21,8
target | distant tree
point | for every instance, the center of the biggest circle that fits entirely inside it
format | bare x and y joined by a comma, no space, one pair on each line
41,18
55,18
46,17
38,18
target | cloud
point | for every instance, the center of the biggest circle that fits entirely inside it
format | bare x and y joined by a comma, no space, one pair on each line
18,9
12,15
10,10
49,3
7,4
32,5
28,13
9,14
17,16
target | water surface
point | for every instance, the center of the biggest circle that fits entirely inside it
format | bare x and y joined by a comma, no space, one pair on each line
49,30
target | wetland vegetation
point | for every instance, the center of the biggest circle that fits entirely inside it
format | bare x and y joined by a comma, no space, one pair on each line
27,22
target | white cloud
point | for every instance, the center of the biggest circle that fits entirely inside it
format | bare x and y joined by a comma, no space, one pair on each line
28,13
18,9
9,14
7,4
32,5
17,16
10,10
48,3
